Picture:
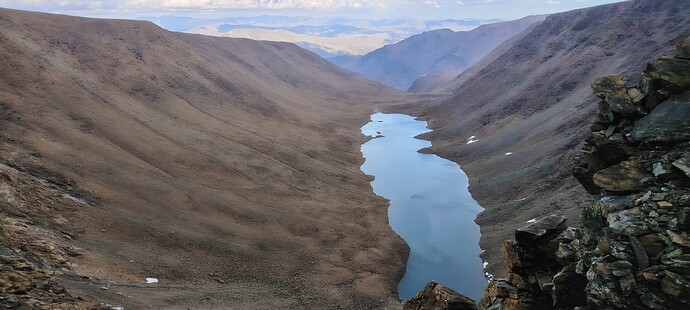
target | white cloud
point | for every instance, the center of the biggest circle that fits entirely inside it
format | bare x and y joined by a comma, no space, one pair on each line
432,3
198,4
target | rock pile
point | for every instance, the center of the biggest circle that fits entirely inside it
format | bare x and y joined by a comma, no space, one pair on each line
632,249
635,247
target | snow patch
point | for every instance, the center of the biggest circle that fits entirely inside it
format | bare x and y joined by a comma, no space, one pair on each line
509,153
532,220
151,280
485,264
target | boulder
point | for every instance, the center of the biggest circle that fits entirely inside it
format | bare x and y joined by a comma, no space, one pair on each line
541,231
668,122
664,78
436,296
613,91
623,177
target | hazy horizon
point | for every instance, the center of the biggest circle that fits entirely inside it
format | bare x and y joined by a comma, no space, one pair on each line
367,9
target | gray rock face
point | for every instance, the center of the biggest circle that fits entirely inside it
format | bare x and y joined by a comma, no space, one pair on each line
670,121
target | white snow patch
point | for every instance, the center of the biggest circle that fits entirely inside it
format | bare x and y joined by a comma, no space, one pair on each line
532,220
485,264
472,139
151,280
509,153
522,199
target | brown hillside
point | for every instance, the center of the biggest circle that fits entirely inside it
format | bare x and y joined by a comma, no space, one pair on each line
535,102
227,168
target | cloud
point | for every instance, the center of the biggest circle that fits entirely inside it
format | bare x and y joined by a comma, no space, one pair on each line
432,3
196,4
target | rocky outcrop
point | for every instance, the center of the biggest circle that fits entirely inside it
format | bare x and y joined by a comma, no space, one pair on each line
632,250
632,247
436,296
35,253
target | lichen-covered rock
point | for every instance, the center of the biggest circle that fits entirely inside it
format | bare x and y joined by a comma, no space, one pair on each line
613,91
623,177
436,296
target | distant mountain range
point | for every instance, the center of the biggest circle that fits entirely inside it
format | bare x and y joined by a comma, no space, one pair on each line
327,37
400,64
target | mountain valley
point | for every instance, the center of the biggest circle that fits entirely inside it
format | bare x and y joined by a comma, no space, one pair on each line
144,168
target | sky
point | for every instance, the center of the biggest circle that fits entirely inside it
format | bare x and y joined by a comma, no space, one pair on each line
372,9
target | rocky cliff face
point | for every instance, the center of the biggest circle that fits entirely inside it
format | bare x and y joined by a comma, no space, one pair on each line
632,249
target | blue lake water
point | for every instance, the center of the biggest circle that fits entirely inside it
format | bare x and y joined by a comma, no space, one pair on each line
430,206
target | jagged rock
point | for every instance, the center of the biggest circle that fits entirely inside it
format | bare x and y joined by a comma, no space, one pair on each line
659,170
541,231
683,48
668,122
679,239
626,222
569,288
613,91
640,254
625,176
604,118
633,250
436,296
669,74
501,294
674,284
682,165
516,257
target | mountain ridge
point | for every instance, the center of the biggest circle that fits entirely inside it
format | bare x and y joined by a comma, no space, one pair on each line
221,167
399,64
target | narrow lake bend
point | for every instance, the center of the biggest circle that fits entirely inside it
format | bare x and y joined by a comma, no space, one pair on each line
430,206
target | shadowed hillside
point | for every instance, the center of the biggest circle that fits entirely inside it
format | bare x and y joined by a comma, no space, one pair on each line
531,107
402,63
226,168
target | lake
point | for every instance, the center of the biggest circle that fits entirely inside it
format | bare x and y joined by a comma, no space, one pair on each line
430,206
